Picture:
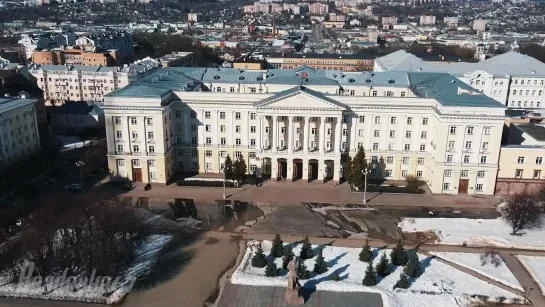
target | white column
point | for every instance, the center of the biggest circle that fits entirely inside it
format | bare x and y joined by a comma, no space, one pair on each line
321,168
290,134
321,144
230,115
305,134
353,132
200,136
338,135
246,129
259,134
275,133
214,126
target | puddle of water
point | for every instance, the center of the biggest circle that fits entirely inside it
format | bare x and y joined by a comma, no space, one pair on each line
226,215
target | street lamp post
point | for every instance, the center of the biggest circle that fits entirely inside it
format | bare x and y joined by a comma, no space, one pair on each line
80,164
223,182
364,173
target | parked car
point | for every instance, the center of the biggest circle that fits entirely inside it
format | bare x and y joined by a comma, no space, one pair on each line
73,187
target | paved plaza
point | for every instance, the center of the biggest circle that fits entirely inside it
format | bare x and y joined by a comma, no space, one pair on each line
259,296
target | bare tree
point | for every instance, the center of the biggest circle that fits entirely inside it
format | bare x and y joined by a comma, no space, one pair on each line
523,211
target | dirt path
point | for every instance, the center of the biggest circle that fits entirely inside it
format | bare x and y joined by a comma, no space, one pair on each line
197,282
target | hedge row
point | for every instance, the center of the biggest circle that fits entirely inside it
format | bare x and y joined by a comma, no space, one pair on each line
204,183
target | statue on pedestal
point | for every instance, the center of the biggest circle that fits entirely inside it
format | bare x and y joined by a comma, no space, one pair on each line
292,296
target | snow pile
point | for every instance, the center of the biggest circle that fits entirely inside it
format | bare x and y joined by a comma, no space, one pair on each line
439,285
475,232
500,273
535,266
90,292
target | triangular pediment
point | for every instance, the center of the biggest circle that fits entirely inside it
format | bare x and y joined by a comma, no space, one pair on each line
300,98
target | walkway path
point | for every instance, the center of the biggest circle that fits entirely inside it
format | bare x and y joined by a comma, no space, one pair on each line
294,192
507,255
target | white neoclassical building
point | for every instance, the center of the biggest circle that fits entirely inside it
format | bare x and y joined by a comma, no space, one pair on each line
303,124
516,80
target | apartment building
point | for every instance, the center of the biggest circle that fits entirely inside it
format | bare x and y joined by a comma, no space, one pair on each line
479,25
19,137
62,83
46,41
514,79
323,61
114,40
426,20
318,8
303,123
76,57
522,161
451,22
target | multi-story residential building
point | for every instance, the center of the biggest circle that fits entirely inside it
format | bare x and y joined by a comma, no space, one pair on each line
303,124
75,57
522,161
62,83
115,40
19,137
392,20
318,8
426,20
46,41
514,79
322,61
479,25
192,17
451,22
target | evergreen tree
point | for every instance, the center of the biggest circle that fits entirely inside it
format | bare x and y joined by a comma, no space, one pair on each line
399,255
239,169
288,256
320,266
259,260
413,268
383,267
370,278
228,168
306,250
272,270
277,249
366,255
356,166
403,282
302,271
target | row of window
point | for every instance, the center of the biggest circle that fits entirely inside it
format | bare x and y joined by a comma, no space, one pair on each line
521,92
470,130
135,148
222,154
521,159
528,82
536,174
463,173
468,145
478,187
520,105
467,158
135,162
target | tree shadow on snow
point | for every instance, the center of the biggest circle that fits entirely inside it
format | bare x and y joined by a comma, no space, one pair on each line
335,260
310,286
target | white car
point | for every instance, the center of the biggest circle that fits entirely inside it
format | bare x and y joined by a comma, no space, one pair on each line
73,187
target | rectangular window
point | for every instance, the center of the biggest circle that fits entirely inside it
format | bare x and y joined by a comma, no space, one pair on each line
424,121
238,142
483,159
193,127
484,146
420,161
449,158
194,153
362,119
468,144
451,144
402,94
390,160
119,148
422,147
151,149
409,120
446,186
518,173
208,128
120,162
404,173
407,147
392,133
207,114
405,160
237,115
377,119
150,135
424,135
388,173
480,174
448,173
539,160
520,160
133,121
360,132
119,134
453,130
117,120
466,159
376,133
237,129
208,140
222,115
408,134
252,116
252,129
393,120
479,187
487,130
464,173
208,153
419,174
375,146
537,174
470,130
178,114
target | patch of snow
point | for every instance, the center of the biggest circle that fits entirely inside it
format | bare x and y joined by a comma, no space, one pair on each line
475,232
323,210
188,221
439,285
535,265
332,224
472,261
69,142
146,257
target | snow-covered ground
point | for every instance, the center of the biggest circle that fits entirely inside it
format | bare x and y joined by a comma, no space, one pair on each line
475,232
535,266
69,142
145,260
500,273
439,285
